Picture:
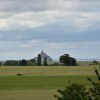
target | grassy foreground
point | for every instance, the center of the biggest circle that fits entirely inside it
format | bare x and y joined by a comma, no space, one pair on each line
39,83
27,94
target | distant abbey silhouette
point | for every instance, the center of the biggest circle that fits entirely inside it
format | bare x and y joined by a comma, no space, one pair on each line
43,56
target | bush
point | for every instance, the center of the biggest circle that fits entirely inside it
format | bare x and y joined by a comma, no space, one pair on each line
95,89
80,92
73,92
95,62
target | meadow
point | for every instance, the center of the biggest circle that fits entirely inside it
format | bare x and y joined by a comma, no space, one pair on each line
40,82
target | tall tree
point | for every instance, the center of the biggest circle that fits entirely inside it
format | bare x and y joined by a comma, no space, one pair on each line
45,61
0,63
39,60
67,60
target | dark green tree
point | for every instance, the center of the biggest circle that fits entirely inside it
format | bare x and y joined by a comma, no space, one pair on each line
11,63
31,62
39,60
72,92
94,62
0,63
67,60
95,89
45,62
73,61
23,62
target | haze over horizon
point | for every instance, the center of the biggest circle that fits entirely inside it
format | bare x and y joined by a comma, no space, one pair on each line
56,26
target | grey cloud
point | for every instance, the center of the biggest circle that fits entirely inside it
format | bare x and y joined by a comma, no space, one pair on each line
42,5
89,5
53,33
22,5
52,23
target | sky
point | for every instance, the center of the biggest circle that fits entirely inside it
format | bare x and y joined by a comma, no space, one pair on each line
56,26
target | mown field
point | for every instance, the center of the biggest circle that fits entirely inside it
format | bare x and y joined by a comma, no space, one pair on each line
40,82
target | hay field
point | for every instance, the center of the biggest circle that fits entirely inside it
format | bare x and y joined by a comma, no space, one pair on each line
47,70
27,94
39,82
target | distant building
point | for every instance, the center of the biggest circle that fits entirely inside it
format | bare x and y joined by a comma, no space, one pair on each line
43,56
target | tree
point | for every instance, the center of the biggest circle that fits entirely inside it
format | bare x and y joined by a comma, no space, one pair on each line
45,61
0,63
11,63
94,62
80,92
73,61
67,60
72,92
39,60
95,89
23,62
64,59
31,62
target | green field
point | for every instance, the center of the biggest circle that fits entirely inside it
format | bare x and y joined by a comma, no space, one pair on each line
39,82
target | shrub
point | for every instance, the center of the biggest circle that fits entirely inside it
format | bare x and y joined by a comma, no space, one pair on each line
79,92
72,92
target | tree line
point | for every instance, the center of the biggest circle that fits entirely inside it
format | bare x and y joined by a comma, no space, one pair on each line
23,62
64,60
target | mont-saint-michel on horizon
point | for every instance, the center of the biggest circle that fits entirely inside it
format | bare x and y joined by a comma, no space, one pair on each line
44,56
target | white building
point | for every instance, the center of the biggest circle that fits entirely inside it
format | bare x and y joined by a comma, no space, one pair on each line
43,56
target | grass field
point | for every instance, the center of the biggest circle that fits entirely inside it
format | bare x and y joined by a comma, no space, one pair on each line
39,82
27,94
47,71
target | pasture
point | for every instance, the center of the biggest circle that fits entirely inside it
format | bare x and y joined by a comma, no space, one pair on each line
39,82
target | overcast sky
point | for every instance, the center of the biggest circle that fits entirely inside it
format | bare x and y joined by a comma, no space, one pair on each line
56,26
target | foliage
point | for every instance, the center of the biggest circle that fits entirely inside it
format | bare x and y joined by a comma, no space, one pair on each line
23,62
67,60
72,92
95,90
79,92
31,62
39,60
0,63
94,62
11,63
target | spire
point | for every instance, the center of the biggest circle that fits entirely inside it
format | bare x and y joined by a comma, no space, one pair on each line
42,52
